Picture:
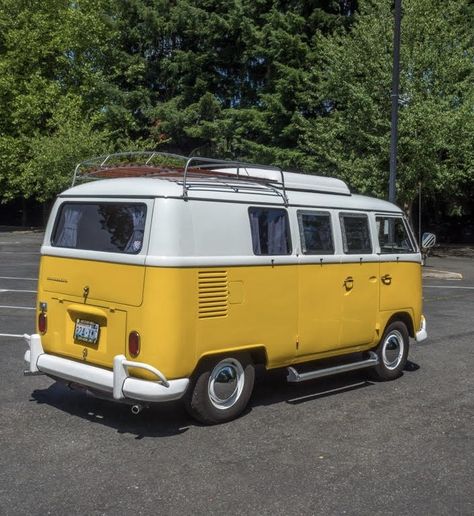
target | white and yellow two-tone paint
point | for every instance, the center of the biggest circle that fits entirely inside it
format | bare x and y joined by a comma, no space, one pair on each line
198,296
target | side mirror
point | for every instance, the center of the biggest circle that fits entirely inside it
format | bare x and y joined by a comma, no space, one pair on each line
428,240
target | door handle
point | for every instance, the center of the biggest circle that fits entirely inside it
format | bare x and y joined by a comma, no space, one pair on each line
386,279
349,283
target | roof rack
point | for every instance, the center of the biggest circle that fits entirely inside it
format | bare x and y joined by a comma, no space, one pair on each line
101,167
200,173
174,166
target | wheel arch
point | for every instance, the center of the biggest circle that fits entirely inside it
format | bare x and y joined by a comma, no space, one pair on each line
406,319
258,354
211,406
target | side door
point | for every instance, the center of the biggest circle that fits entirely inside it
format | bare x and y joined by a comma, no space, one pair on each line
270,285
400,269
358,281
318,284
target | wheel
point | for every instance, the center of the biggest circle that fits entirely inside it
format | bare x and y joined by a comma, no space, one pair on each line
392,352
221,389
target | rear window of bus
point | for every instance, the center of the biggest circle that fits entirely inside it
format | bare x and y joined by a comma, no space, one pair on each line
114,227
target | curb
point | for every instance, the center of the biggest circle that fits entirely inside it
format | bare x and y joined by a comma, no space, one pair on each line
447,275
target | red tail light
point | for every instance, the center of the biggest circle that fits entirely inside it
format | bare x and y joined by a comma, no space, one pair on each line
42,322
134,343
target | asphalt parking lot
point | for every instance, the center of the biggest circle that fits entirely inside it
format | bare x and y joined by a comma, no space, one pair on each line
342,445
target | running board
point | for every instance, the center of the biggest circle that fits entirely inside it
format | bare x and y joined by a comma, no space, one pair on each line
294,376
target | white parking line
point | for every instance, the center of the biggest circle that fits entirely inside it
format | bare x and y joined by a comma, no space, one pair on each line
16,290
11,335
449,286
18,307
15,278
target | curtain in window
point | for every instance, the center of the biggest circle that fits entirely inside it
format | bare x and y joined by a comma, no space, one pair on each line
269,231
277,238
134,243
255,230
68,236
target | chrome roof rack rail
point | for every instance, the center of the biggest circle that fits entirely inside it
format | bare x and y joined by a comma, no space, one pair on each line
94,169
101,163
210,164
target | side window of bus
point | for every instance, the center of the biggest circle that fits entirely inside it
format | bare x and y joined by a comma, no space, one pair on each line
315,232
355,233
393,236
270,231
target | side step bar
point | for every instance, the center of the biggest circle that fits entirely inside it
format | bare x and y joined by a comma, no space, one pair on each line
294,376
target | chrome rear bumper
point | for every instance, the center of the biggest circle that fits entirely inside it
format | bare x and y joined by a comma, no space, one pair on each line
117,382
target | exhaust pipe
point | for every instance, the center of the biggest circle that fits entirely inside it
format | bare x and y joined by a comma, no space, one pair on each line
136,409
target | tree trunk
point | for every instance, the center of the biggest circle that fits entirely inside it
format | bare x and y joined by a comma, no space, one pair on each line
24,212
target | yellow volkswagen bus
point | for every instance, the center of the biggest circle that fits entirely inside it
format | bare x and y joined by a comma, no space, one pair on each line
165,278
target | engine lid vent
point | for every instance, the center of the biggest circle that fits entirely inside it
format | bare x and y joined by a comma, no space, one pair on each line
213,294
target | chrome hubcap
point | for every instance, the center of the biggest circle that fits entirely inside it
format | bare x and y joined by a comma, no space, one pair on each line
392,350
226,383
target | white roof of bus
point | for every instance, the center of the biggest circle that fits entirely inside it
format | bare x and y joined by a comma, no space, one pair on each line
330,192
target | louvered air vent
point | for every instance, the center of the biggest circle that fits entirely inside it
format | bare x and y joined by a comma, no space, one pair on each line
213,293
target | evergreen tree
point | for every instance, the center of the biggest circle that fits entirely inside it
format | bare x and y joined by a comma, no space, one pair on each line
234,74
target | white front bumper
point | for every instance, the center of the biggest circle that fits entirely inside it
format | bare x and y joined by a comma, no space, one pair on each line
116,382
422,333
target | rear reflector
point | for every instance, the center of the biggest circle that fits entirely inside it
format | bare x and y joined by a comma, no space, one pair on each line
134,343
42,322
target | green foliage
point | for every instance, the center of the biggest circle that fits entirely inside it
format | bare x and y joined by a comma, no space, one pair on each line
53,56
301,83
53,156
350,136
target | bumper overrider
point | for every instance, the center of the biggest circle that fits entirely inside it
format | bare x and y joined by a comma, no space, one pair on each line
422,334
116,383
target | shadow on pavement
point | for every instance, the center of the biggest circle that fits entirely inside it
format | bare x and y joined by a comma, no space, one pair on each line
169,419
411,366
162,420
